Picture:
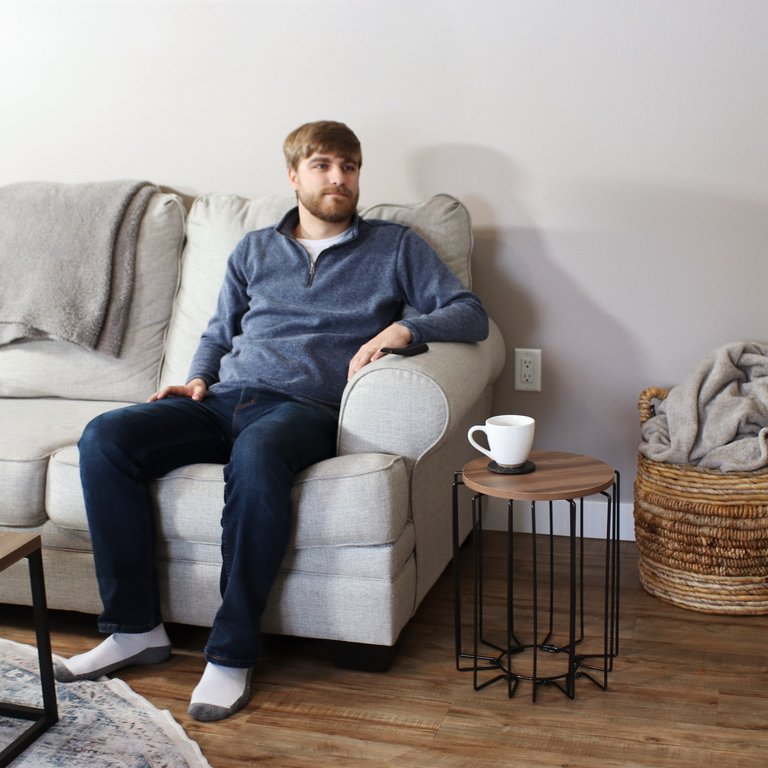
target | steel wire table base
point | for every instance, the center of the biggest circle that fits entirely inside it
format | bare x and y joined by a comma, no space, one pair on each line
488,656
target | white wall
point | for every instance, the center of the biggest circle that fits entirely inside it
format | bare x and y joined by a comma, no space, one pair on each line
613,153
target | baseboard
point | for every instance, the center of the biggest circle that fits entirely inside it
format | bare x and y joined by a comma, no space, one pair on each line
495,518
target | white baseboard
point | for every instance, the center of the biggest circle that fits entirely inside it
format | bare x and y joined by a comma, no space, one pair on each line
495,518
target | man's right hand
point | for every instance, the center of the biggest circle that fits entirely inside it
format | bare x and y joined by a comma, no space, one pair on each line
195,390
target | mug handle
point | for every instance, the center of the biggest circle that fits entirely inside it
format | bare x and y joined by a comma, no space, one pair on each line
476,428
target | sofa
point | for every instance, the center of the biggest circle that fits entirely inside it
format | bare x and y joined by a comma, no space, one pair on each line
372,529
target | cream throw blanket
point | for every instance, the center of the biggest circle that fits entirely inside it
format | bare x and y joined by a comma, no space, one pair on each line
718,417
67,254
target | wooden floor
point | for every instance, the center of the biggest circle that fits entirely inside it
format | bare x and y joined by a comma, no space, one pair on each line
688,690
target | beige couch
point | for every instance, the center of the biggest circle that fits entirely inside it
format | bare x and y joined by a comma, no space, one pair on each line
372,526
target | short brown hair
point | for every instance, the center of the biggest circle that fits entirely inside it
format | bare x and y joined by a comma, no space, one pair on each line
321,136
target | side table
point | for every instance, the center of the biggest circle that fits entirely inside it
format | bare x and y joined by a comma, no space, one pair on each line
558,476
14,547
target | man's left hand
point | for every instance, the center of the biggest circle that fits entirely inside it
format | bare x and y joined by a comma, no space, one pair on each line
395,335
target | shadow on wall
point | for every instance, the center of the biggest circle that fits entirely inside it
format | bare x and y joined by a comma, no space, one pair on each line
486,182
592,365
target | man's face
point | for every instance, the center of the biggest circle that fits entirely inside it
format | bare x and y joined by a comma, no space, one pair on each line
327,186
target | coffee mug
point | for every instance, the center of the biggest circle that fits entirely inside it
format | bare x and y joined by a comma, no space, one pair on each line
509,439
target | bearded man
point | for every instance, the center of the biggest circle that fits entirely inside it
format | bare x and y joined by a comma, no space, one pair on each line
303,307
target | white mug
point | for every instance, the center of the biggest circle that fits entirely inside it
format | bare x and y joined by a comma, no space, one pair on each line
509,438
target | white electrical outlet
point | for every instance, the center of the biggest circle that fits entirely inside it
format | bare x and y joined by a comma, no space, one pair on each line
528,370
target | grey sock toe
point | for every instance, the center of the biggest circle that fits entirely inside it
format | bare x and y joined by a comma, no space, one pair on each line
62,674
206,713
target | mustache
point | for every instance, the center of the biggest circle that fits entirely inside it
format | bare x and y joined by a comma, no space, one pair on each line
337,191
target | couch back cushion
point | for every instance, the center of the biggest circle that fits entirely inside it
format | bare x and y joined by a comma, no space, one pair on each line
217,222
60,369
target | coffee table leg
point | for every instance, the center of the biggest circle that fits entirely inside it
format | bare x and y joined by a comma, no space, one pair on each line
42,633
42,719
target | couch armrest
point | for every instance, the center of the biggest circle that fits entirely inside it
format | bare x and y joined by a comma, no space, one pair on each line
404,405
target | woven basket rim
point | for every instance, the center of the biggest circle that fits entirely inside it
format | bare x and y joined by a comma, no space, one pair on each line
754,475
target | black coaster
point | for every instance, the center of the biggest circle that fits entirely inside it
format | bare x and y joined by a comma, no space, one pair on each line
524,469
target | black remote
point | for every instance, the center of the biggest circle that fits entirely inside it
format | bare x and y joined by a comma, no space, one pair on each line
409,351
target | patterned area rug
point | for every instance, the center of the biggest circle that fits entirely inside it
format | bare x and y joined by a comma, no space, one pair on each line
101,724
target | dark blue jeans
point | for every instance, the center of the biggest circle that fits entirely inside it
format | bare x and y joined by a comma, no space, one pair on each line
263,439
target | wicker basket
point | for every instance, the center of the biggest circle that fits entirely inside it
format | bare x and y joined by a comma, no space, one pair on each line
702,534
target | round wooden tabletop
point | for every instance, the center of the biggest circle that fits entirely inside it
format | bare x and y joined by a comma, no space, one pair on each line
558,475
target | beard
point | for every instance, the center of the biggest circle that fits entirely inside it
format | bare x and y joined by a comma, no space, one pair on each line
332,209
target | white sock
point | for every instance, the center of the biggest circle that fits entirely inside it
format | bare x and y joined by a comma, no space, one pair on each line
220,686
117,648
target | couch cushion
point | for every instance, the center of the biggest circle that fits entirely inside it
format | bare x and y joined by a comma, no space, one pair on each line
346,501
32,430
59,369
216,223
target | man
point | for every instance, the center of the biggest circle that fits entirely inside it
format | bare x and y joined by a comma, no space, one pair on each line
304,306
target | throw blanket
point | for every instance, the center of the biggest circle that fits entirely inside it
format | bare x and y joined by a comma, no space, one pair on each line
718,417
67,255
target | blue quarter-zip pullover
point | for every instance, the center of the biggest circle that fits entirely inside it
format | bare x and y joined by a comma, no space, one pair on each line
287,326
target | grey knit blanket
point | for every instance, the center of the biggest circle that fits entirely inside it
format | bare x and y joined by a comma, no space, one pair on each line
718,417
67,255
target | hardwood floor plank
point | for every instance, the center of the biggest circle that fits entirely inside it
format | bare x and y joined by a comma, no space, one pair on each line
737,710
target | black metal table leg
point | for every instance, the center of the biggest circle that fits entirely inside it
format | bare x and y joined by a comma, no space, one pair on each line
570,680
42,719
43,636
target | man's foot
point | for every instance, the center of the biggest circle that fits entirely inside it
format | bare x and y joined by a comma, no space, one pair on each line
221,692
117,651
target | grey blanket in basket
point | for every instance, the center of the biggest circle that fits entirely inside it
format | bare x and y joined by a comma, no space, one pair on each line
67,254
718,417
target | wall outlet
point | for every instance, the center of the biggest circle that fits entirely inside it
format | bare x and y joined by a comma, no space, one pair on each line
528,370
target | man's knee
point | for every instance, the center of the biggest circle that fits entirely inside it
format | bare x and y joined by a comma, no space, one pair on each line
102,435
96,431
